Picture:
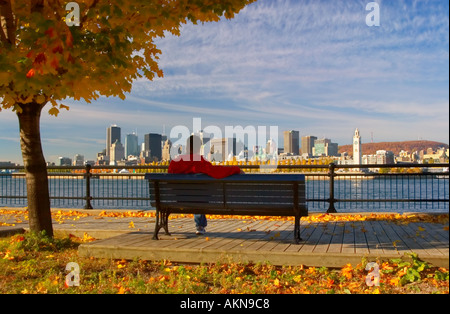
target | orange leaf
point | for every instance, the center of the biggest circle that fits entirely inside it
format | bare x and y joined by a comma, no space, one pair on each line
70,59
55,63
50,32
61,106
53,111
30,73
58,49
69,40
40,58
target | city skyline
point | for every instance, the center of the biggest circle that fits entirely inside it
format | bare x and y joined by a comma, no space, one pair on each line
220,149
311,66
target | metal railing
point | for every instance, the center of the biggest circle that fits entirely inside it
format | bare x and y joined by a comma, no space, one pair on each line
331,188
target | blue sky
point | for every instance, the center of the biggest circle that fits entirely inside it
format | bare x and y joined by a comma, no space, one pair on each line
312,66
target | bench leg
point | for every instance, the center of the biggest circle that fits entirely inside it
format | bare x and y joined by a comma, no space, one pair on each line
297,237
157,225
162,219
165,221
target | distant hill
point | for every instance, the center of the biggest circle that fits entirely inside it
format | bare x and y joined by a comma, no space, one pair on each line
396,147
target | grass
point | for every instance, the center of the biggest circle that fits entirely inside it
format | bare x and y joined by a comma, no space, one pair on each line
34,263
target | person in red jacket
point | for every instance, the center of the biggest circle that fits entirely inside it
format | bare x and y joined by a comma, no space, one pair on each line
192,163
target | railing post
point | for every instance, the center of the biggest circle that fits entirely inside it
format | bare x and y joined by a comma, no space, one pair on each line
88,197
331,200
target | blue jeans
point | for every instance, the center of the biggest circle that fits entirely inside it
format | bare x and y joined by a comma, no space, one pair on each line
200,221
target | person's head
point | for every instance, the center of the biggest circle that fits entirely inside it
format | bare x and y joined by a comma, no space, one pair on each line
193,145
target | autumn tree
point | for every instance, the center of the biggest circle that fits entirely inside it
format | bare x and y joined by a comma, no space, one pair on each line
48,55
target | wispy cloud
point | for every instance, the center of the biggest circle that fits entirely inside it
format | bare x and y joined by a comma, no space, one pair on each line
294,47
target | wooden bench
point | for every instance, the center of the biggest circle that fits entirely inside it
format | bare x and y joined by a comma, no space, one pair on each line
247,194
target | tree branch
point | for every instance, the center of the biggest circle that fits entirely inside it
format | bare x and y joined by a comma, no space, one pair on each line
37,6
2,29
6,12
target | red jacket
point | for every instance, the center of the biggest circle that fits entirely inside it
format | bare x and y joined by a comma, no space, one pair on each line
190,164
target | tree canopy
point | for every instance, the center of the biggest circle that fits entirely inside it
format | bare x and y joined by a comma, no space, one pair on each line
102,47
44,60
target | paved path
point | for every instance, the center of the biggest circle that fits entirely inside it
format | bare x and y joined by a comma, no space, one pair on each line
331,244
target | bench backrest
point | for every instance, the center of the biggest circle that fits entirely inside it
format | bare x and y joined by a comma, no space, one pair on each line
260,194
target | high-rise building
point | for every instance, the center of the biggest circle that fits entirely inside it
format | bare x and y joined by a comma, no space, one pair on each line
64,161
112,135
385,157
357,148
131,145
292,142
78,160
271,147
223,148
166,150
117,152
324,147
308,144
153,146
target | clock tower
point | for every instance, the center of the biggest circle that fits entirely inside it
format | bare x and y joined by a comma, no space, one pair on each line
357,148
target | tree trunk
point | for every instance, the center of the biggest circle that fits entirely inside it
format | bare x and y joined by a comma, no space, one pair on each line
36,170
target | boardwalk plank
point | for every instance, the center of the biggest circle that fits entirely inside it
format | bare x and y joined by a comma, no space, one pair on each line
438,234
361,246
337,239
270,245
373,242
397,242
424,239
242,240
432,240
313,239
411,240
385,243
348,241
326,237
286,230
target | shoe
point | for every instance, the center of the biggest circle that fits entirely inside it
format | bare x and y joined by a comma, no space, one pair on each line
200,231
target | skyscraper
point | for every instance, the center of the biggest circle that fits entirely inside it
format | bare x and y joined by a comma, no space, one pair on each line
357,148
152,145
117,152
131,145
292,142
223,148
308,144
166,150
324,147
112,135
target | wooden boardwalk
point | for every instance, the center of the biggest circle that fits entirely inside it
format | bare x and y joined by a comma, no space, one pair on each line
330,244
